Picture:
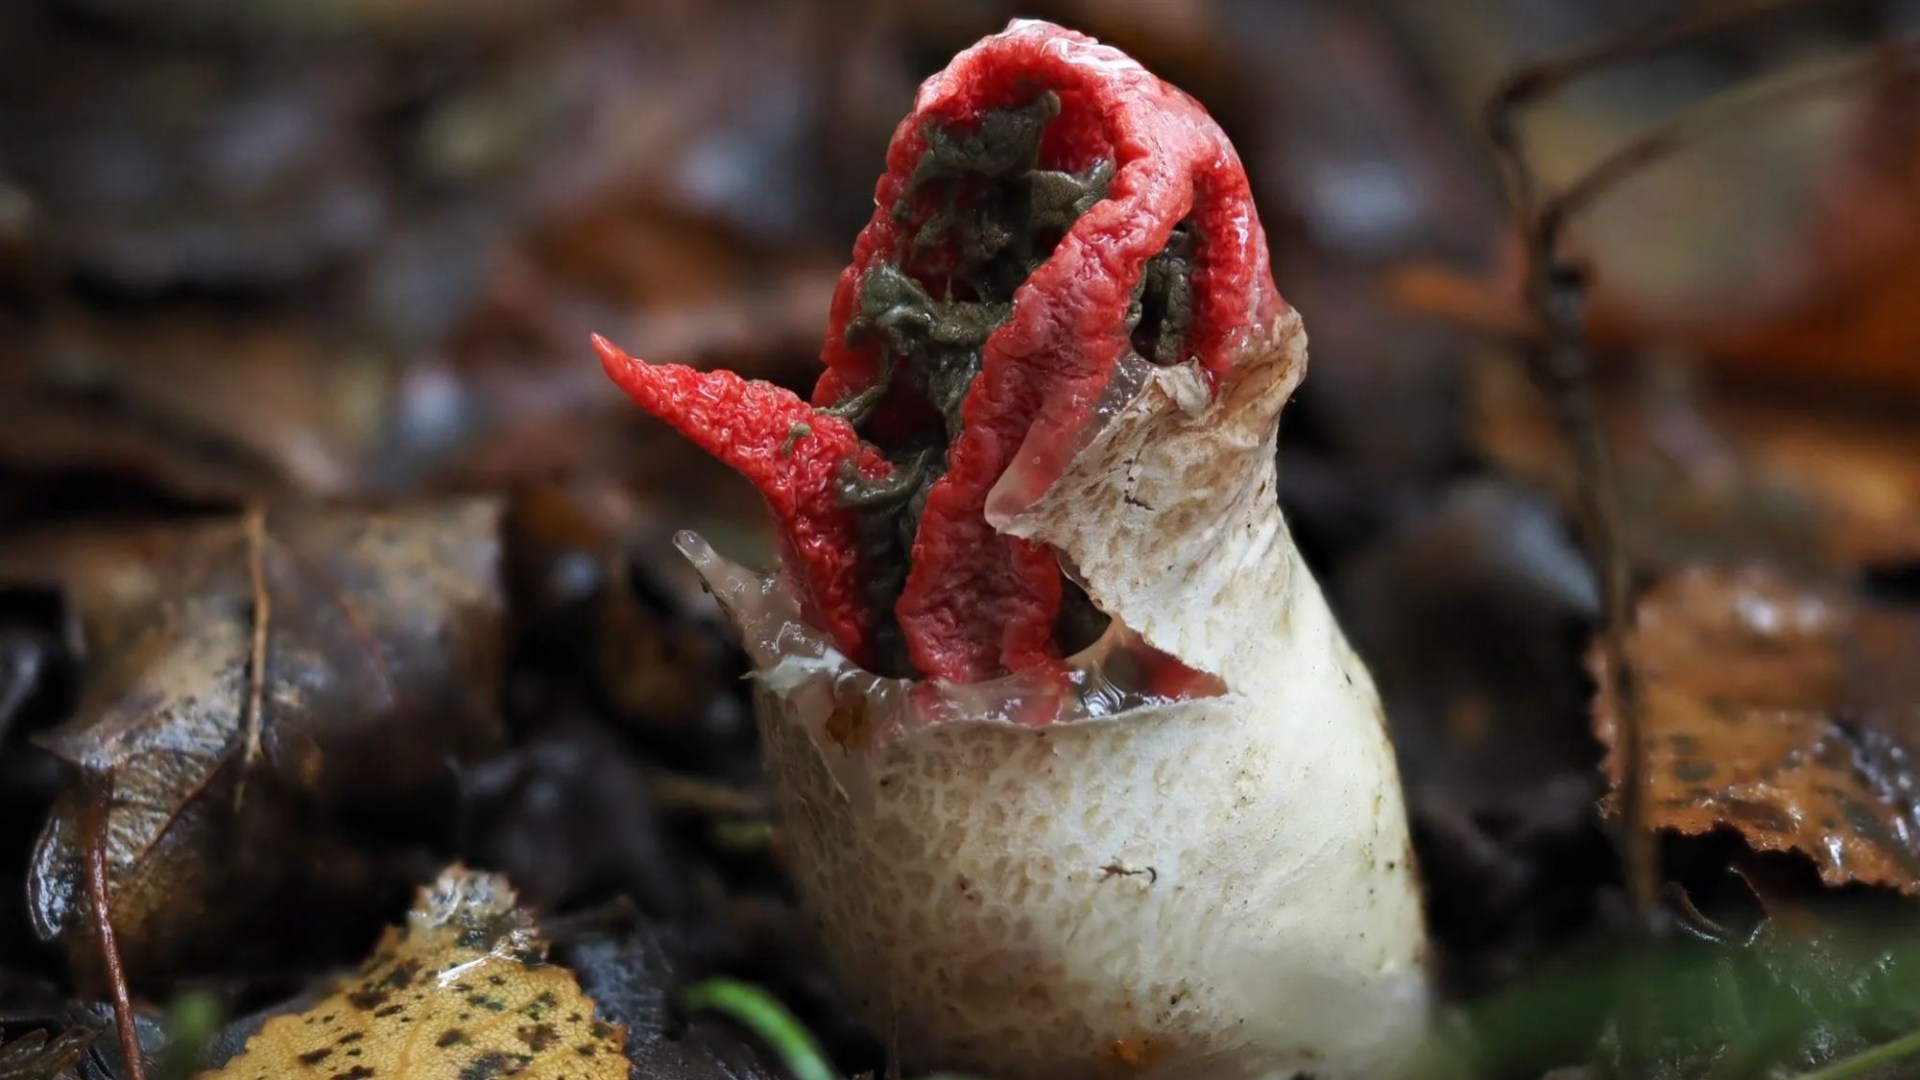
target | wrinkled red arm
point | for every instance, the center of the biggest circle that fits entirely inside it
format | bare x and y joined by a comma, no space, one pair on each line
789,451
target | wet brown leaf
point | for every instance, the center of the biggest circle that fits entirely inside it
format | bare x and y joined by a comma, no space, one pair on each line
34,1056
245,682
462,992
1787,713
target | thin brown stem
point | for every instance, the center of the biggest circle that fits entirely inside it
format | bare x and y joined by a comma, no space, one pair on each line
99,810
256,531
1714,114
1531,82
1556,292
684,793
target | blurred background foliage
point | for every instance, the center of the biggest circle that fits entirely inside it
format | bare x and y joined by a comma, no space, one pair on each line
258,255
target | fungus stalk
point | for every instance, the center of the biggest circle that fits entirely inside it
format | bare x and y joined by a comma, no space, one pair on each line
1079,776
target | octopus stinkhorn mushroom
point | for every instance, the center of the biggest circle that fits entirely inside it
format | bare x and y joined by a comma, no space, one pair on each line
1078,774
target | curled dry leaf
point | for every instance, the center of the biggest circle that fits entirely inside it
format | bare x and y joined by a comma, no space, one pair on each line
462,991
1788,714
245,682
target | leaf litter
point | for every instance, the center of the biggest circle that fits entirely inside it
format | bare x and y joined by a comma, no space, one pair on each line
229,739
463,991
1785,712
393,305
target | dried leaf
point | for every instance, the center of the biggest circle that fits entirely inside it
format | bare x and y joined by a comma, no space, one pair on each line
463,991
242,686
1786,713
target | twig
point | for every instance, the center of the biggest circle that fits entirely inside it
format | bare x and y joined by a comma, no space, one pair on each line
612,916
256,530
1758,95
1436,290
99,809
1555,294
1531,82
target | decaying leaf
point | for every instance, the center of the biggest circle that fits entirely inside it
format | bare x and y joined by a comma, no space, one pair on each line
247,683
462,992
1783,712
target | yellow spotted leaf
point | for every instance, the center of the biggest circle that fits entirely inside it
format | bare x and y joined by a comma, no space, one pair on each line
462,992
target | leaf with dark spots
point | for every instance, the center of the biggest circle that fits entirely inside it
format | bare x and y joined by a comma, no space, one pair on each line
244,681
466,928
1787,713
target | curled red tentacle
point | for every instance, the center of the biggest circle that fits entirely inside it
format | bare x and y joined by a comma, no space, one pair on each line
792,453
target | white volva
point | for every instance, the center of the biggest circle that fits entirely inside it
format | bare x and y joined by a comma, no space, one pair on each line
1216,888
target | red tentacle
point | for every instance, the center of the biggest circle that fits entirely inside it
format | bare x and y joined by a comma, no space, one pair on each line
792,453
